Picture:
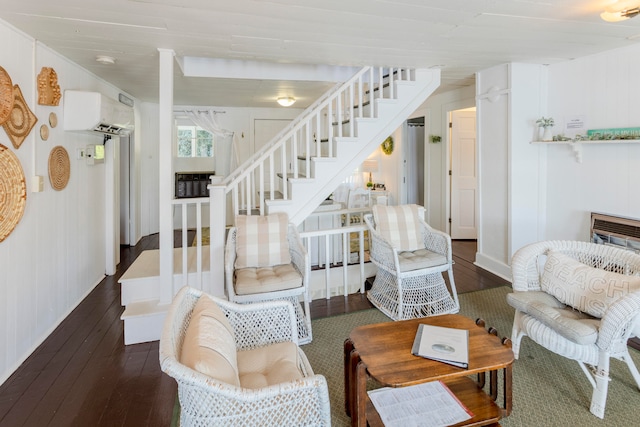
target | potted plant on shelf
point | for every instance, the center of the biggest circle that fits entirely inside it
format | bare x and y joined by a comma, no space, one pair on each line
546,123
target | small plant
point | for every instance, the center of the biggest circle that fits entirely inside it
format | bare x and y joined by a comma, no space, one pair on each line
435,138
545,122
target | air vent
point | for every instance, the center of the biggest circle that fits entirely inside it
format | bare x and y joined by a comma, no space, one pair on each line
616,231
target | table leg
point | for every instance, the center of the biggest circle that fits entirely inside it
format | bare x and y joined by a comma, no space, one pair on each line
348,348
493,384
359,415
507,390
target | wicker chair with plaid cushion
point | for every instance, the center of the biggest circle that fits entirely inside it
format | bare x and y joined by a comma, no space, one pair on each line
266,260
240,364
411,257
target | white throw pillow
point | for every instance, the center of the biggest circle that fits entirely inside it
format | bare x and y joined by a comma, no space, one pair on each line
587,289
399,225
261,241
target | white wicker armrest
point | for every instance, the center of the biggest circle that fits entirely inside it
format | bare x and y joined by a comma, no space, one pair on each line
436,241
230,260
299,255
259,324
524,267
382,252
618,323
301,402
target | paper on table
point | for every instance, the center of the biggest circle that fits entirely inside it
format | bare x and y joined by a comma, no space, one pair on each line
448,345
430,404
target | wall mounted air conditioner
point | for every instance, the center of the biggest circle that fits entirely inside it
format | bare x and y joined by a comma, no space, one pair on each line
95,112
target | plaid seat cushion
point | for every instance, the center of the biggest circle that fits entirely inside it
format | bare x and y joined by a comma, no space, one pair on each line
399,225
261,241
266,279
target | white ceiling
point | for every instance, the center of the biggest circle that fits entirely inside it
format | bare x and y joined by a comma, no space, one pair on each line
460,36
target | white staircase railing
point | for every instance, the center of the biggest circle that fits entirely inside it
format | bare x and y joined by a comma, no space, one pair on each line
288,156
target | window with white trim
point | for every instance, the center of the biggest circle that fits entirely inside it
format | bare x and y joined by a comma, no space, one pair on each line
193,141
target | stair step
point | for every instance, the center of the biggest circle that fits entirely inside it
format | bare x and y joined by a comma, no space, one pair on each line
143,321
290,176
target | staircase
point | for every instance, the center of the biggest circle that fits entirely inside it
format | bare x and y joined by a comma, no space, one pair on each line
328,141
293,173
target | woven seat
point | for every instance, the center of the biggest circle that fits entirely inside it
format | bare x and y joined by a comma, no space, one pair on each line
409,282
260,378
579,300
251,276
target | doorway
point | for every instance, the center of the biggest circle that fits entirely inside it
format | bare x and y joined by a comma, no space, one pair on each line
463,193
413,163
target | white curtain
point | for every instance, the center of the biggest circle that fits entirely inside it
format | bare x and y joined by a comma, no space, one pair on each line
224,149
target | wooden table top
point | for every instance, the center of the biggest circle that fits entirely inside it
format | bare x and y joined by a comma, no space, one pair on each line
385,348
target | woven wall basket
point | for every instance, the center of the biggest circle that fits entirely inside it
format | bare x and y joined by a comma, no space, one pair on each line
13,192
6,95
21,120
59,168
48,87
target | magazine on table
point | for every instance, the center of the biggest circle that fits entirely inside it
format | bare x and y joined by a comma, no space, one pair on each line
430,404
448,345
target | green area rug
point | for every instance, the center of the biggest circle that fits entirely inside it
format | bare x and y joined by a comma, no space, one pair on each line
548,390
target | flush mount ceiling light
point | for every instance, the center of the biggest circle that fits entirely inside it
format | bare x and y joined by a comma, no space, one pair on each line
286,101
621,10
106,60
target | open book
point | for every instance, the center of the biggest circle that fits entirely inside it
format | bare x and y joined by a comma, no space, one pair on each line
448,345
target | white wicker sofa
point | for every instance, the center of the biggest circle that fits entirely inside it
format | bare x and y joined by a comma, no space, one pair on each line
580,300
240,364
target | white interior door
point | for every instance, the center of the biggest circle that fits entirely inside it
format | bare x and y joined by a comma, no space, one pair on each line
464,180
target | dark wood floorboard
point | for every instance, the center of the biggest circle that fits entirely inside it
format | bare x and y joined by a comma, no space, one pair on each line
83,375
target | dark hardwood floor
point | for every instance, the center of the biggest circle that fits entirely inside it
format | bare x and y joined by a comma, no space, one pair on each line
83,374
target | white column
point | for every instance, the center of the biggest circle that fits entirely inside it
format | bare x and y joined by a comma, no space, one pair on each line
217,228
165,141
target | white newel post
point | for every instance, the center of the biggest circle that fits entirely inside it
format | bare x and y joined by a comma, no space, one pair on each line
165,142
217,228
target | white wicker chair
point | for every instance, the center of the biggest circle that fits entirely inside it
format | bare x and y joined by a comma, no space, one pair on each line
613,329
300,261
205,401
404,293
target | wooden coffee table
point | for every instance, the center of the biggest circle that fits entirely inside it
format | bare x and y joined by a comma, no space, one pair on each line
382,351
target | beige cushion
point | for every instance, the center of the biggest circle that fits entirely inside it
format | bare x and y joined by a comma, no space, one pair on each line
209,343
261,241
590,290
265,366
267,279
399,225
571,324
422,258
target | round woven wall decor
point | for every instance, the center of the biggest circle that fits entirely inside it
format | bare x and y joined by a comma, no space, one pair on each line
6,95
21,120
13,192
59,168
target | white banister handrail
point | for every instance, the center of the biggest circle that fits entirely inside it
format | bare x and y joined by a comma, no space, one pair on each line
345,233
294,126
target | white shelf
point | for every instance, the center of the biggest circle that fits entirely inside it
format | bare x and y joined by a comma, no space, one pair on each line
577,145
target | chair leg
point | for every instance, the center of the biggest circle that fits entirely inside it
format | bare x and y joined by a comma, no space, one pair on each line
516,334
453,286
632,368
599,396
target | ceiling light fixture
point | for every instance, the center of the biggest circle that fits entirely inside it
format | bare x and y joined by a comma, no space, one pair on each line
106,60
286,101
621,10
